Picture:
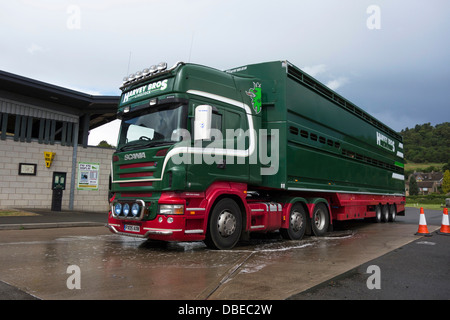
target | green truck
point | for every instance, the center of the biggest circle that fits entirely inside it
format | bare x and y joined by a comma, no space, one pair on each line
210,155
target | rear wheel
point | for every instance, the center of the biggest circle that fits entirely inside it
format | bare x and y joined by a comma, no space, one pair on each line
377,218
392,213
320,219
225,225
385,213
297,223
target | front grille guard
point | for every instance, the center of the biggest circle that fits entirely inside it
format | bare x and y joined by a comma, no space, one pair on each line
129,216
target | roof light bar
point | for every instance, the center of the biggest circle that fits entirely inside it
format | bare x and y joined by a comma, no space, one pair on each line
161,66
153,69
148,72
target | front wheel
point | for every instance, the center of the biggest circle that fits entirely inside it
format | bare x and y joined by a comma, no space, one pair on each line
225,225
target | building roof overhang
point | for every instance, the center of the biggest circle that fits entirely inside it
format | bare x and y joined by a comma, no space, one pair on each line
101,109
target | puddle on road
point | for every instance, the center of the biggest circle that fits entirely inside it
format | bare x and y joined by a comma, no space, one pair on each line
149,254
258,243
78,249
278,244
121,262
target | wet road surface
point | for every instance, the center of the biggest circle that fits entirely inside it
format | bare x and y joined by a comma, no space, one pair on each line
117,267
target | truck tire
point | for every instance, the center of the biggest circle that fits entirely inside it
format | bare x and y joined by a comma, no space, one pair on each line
385,213
225,225
297,223
377,218
320,220
392,213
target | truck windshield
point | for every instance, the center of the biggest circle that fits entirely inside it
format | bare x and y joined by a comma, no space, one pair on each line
152,128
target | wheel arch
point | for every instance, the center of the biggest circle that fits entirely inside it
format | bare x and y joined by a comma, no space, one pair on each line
236,199
288,203
312,202
221,235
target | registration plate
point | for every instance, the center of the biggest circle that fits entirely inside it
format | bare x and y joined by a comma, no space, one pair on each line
132,228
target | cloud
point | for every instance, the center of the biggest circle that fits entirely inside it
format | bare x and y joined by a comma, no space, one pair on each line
321,69
313,71
34,48
337,83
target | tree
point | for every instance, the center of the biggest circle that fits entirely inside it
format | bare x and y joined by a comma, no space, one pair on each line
446,182
413,187
446,166
104,144
427,143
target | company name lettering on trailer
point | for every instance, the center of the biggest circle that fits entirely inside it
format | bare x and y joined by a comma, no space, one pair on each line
385,142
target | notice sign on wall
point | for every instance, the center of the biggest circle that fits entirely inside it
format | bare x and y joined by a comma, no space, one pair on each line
88,175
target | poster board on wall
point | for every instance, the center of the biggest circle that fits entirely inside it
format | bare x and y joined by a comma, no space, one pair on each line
88,175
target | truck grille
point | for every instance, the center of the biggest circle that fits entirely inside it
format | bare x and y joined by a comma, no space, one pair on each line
137,165
129,175
135,184
135,175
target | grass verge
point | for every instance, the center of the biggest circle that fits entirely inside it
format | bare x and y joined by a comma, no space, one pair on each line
427,206
16,213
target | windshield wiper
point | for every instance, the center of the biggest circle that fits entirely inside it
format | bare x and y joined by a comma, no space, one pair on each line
158,143
133,146
130,146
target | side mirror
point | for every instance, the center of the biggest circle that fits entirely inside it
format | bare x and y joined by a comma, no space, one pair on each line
180,135
176,135
202,122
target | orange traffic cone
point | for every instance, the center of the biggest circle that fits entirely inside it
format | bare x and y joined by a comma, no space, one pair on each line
445,227
423,229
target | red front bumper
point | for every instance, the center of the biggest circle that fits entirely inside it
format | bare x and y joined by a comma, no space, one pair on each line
164,227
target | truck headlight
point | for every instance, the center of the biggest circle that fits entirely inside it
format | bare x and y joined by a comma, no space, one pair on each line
131,210
118,209
171,209
135,209
126,209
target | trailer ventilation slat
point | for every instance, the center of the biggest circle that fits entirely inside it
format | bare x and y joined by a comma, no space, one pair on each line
301,77
293,130
371,161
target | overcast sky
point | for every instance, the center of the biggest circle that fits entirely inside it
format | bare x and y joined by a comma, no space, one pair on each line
391,58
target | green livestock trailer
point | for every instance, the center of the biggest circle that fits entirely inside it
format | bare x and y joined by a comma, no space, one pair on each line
213,155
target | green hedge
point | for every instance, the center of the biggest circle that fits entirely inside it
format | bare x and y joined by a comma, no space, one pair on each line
428,199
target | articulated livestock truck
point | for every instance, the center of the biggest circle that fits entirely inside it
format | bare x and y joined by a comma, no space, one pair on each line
210,155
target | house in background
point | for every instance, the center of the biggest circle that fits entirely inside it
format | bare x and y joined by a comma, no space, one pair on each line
428,182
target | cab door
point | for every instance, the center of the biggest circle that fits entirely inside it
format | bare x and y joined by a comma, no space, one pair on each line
217,162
